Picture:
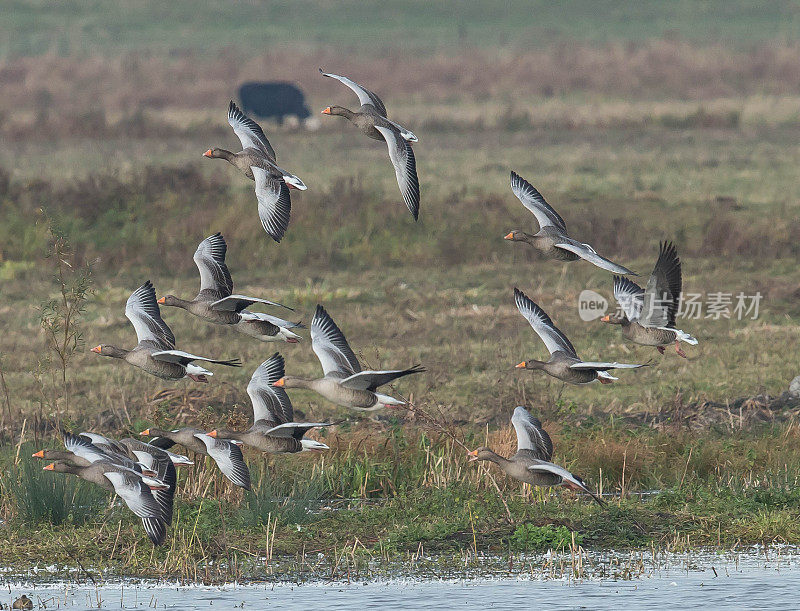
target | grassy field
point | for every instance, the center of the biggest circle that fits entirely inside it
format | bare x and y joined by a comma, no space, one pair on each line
81,26
633,139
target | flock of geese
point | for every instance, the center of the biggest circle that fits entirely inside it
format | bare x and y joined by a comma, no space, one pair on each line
143,474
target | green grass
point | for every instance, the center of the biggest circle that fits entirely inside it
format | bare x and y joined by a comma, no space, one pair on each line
30,27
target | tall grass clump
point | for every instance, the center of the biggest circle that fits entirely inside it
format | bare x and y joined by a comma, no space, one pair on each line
40,497
291,499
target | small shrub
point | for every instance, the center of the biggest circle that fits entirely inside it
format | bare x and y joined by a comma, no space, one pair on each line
529,537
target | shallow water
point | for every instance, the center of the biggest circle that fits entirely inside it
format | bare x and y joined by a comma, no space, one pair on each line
736,581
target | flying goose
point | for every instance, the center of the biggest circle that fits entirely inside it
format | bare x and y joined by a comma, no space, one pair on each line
129,486
216,302
552,239
531,464
371,120
155,353
564,363
649,314
226,454
274,429
257,161
344,383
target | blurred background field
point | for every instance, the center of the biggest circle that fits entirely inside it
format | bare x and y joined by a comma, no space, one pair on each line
639,122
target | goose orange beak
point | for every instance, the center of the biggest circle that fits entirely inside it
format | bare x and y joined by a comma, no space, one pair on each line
145,432
279,383
98,349
213,433
162,300
39,454
208,153
473,455
509,236
50,467
327,111
605,318
520,365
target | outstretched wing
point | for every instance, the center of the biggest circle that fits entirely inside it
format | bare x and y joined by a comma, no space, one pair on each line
371,380
270,403
587,253
629,296
405,168
184,358
248,131
136,494
237,303
663,292
142,310
365,96
604,366
534,201
274,203
530,434
552,337
331,347
215,279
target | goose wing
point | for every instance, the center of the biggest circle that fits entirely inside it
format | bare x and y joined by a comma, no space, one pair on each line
142,310
237,303
270,403
587,253
184,358
215,279
405,167
663,292
229,459
274,203
629,296
604,365
545,215
552,337
136,494
530,434
371,380
365,96
248,131
331,347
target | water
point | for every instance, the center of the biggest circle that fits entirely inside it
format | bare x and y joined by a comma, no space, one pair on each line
735,582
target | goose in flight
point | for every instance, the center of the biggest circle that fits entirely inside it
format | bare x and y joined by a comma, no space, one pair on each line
648,315
216,302
344,383
155,353
531,464
552,239
564,363
257,161
372,121
274,429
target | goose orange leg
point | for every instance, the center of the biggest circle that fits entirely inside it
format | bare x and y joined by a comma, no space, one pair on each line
605,381
678,349
660,349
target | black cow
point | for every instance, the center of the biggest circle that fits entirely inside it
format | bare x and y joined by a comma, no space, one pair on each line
273,100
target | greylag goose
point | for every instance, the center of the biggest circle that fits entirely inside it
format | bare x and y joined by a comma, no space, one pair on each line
552,239
344,383
130,486
531,464
216,302
257,161
83,452
649,314
564,363
371,120
226,454
155,353
274,429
